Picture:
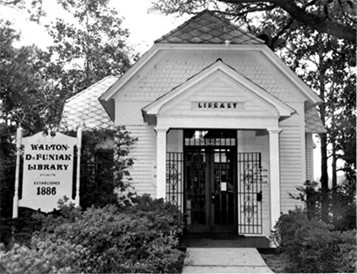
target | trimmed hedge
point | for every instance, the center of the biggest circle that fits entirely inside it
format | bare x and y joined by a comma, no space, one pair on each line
142,238
313,246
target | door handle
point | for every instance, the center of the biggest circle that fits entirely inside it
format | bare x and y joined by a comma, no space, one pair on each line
213,197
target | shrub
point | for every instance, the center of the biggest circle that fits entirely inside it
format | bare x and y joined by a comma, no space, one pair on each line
163,216
43,256
141,238
341,202
313,246
123,242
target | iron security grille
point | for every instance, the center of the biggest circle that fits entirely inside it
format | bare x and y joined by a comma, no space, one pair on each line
174,175
249,193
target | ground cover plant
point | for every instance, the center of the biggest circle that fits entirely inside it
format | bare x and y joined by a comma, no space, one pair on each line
139,238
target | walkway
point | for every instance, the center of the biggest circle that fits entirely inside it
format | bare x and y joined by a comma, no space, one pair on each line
224,260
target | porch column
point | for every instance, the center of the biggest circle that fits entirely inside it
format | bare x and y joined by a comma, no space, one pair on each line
274,168
161,162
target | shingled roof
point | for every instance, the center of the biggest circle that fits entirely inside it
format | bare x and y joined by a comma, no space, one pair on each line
313,122
84,108
208,28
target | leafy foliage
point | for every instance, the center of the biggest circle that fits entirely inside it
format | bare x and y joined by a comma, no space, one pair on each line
140,238
27,97
336,18
105,164
35,83
341,204
44,256
313,246
101,183
90,48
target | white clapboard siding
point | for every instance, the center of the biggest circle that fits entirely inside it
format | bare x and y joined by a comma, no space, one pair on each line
291,167
143,172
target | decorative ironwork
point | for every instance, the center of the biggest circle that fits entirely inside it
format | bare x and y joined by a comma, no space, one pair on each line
250,193
210,138
195,168
174,184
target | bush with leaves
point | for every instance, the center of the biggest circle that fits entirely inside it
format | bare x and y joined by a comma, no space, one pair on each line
163,216
341,202
313,246
43,255
101,183
141,238
105,164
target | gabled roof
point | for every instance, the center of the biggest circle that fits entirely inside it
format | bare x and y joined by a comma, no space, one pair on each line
84,109
212,32
207,28
283,109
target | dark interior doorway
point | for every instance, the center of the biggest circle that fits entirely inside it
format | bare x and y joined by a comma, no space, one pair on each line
210,158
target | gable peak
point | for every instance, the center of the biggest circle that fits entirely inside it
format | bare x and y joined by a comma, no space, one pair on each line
208,28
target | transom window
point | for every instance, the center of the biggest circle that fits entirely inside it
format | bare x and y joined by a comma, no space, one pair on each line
210,137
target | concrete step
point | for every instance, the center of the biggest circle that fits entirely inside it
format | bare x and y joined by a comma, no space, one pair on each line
224,260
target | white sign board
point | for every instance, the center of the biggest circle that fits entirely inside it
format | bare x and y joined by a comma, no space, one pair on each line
47,170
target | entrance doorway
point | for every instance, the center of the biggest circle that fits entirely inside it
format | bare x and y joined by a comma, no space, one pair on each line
210,181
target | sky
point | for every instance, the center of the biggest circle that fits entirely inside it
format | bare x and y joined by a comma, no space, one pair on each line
144,27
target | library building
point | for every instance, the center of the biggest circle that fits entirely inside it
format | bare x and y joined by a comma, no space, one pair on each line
224,127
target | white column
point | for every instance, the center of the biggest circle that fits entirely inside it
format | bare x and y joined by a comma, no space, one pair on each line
274,168
161,162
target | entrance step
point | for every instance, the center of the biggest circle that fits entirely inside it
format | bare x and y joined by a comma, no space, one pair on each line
221,241
224,260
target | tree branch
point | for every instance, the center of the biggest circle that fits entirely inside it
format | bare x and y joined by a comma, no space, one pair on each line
10,2
321,24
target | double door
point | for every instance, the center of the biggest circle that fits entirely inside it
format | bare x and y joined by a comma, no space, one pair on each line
210,189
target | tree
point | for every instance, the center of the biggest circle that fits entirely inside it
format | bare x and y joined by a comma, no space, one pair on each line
334,17
83,52
92,47
325,16
26,95
325,63
34,83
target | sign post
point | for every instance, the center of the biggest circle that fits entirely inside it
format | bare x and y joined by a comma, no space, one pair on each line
15,206
79,146
48,161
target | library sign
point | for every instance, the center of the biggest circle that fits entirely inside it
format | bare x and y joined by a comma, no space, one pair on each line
47,170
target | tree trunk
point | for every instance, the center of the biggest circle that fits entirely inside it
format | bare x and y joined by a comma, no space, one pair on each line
323,137
334,165
324,178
